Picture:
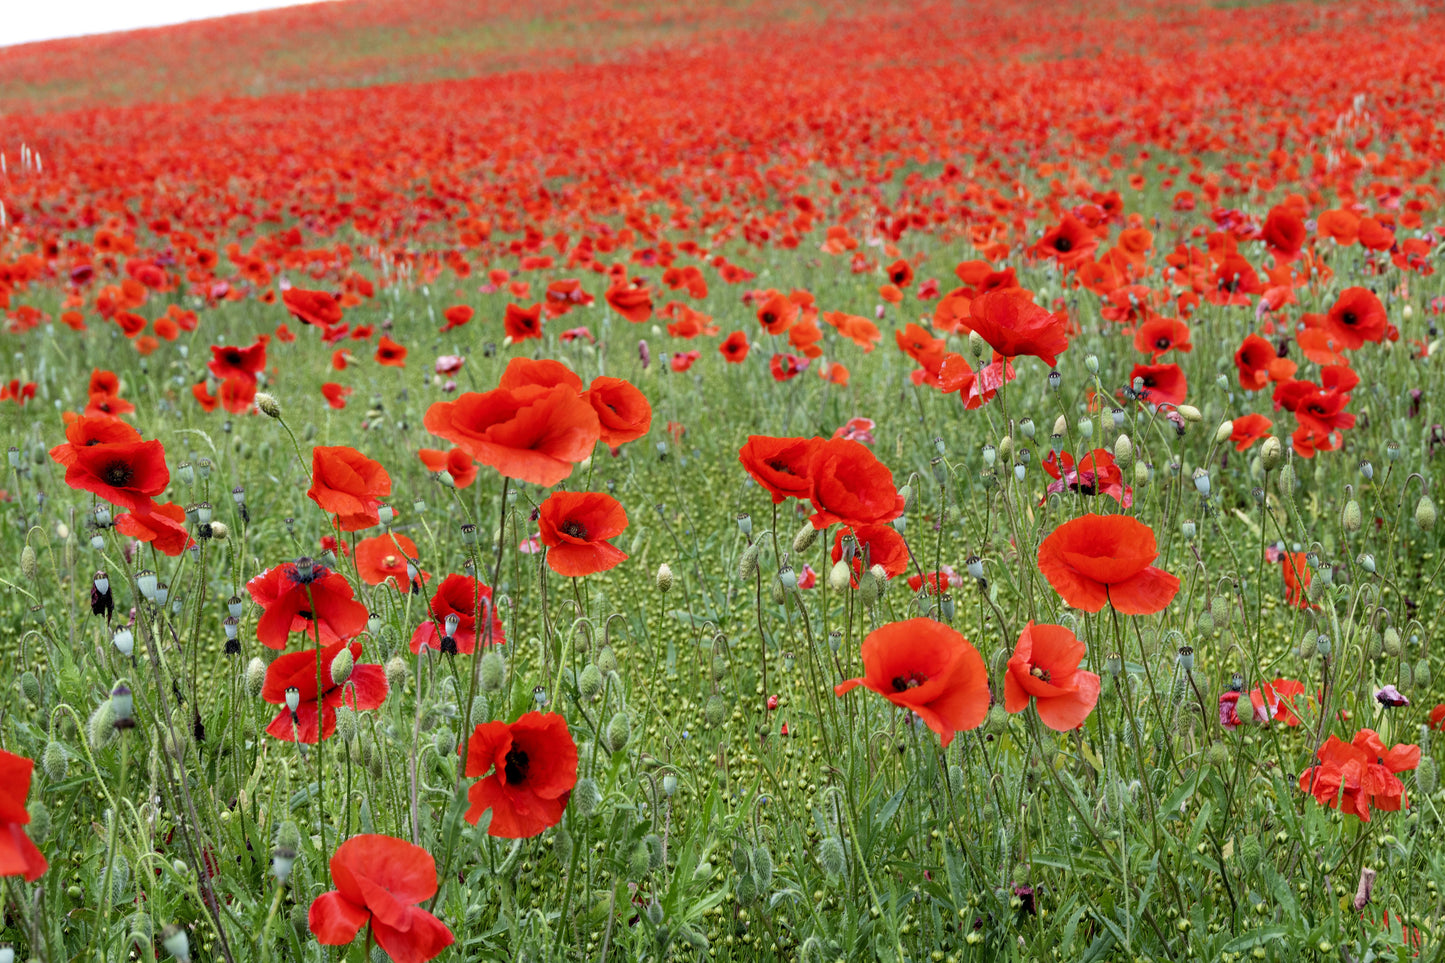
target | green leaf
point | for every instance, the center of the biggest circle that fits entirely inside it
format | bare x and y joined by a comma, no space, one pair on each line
1265,934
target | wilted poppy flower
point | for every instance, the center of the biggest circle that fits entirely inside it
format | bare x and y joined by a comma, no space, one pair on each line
1275,700
575,527
384,557
1097,473
18,855
1098,560
1357,316
379,882
1351,776
164,528
533,768
872,545
347,484
735,347
389,353
522,323
1044,667
530,433
1249,429
126,474
1163,383
849,484
1014,325
928,668
786,367
314,717
459,466
305,597
466,598
779,465
313,307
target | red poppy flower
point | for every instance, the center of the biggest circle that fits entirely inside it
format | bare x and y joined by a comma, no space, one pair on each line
314,717
683,360
900,273
1045,668
849,484
231,361
1357,316
1249,429
1353,775
379,880
533,769
464,597
335,394
1098,560
873,545
312,307
305,597
164,528
126,474
576,526
632,302
83,431
786,367
539,373
1437,717
1275,700
1163,383
522,323
389,353
928,668
1284,232
347,484
1297,578
1253,360
778,313
1160,335
936,583
1323,411
456,316
459,466
383,557
780,465
531,433
623,411
1070,243
18,855
1014,325
1097,473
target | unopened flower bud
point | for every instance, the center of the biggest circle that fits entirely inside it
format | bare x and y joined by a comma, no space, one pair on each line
585,797
619,730
268,405
1222,433
589,682
664,578
748,562
346,724
1123,451
1271,453
1190,414
29,566
492,669
1425,513
715,711
176,942
395,674
1350,517
342,665
1091,364
1086,428
255,676
807,535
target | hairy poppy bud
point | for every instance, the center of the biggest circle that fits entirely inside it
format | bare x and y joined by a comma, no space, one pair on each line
346,723
619,730
29,567
1423,674
30,686
804,540
1350,518
1086,428
1288,481
1123,451
493,668
664,578
1221,607
763,868
563,846
341,666
1249,852
906,493
585,797
1271,453
1427,778
868,588
639,862
748,563
831,856
976,345
715,711
1222,433
255,676
55,760
1005,449
589,682
1190,414
395,674
268,405
1425,513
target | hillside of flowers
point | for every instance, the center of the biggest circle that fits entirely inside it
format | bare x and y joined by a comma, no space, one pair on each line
735,481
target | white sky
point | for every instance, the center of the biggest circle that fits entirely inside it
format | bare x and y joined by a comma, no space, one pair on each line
24,21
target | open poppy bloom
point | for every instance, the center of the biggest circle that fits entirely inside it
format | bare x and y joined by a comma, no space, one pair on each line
533,768
164,528
521,323
305,597
312,718
83,431
1045,668
632,301
1014,325
849,484
379,882
1275,700
456,316
1357,316
384,557
18,854
623,412
464,597
127,474
312,307
735,348
232,361
928,668
347,484
335,394
1098,560
531,433
1162,383
1353,775
1248,429
460,467
575,527
780,465
872,545
1097,473
389,353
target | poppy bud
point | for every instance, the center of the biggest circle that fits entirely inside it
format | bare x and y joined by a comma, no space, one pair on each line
639,863
39,827
1425,514
445,743
763,868
30,686
805,538
715,711
1288,481
585,797
776,590
255,677
748,563
176,942
831,856
1367,562
341,666
664,578
906,493
589,682
493,668
1271,453
54,760
395,674
563,846
1142,473
29,567
1123,451
1351,518
100,727
1005,450
1190,414
1427,777
122,706
1249,852
1423,675
346,724
1222,433
1086,428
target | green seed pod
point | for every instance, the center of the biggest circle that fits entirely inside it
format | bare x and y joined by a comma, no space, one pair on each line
29,566
342,665
255,677
1391,642
30,686
763,869
586,797
607,660
715,711
493,668
589,682
1249,852
719,668
1288,482
655,855
101,726
638,862
1427,777
396,673
562,846
1271,453
805,539
748,562
664,578
1425,514
1350,518
1123,451
619,730
831,857
1423,675
55,760
346,725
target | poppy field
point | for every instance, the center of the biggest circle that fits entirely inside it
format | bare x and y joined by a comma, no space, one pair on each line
748,480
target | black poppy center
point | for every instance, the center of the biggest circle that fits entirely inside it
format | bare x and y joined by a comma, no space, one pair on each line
769,317
902,683
1040,673
1161,343
575,529
781,466
897,277
1350,318
1063,244
233,357
118,474
515,767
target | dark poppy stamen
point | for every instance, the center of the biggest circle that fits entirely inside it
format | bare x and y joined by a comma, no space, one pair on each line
574,529
515,768
118,474
913,680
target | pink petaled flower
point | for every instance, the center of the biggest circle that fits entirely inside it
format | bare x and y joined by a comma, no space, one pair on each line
857,429
928,290
1391,697
807,578
1229,710
449,364
530,545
